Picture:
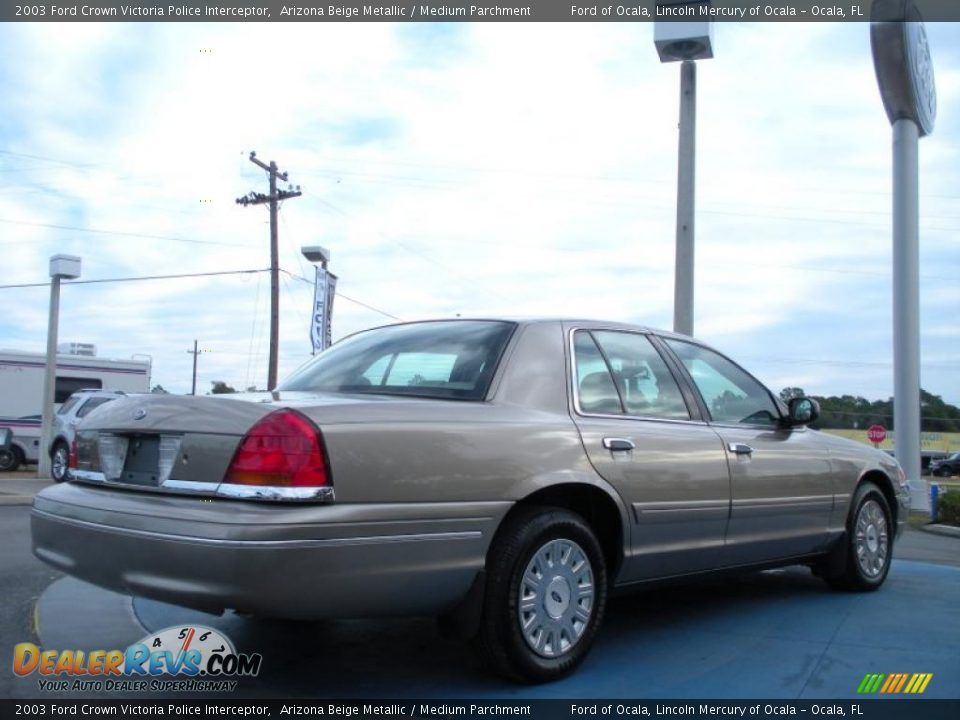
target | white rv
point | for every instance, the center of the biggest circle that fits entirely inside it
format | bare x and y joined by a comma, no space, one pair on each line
78,368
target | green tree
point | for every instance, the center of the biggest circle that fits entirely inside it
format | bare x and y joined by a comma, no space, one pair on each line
221,388
788,393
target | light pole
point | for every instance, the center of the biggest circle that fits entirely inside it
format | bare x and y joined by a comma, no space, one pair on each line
62,267
901,57
324,290
685,42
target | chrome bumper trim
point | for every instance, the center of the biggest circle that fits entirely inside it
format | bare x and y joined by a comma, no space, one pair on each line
275,493
269,493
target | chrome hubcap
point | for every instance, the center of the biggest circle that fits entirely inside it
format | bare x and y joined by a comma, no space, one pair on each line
59,462
555,598
871,539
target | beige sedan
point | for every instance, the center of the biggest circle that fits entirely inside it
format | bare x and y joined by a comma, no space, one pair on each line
503,475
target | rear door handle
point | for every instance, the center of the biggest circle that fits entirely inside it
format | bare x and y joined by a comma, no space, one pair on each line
618,444
740,449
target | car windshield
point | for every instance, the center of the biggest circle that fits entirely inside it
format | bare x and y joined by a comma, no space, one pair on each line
441,359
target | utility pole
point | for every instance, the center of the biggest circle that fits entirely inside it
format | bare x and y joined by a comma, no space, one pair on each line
273,198
195,352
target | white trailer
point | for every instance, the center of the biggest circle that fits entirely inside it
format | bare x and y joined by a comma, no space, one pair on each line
21,391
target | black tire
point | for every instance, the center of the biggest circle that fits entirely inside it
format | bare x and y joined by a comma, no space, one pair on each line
10,459
945,472
59,458
572,605
867,545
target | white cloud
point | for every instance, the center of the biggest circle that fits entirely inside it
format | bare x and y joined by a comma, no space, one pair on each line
477,169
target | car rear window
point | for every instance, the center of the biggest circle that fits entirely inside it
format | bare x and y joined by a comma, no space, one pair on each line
442,359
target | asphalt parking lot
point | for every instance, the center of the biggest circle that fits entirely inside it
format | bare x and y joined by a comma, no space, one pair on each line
777,634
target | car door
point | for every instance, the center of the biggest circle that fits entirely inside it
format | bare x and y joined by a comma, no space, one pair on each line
645,436
782,493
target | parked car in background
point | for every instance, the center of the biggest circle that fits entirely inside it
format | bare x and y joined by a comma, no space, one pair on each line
503,475
946,467
6,453
21,390
78,406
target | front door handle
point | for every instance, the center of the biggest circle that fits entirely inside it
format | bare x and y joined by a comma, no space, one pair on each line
618,444
740,449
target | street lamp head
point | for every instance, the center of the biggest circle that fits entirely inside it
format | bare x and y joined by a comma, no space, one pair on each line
65,267
315,253
689,39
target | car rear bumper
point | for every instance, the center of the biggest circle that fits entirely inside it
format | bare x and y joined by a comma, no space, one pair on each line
300,561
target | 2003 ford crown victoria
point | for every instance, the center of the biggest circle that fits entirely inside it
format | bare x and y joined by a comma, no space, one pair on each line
503,475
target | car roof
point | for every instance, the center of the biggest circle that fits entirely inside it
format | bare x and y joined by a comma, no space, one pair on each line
535,320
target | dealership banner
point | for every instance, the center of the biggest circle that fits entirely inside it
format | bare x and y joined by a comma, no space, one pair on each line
324,290
459,11
580,709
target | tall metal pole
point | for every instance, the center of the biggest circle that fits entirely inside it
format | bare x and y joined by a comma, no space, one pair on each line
904,67
49,379
686,176
906,305
274,282
193,388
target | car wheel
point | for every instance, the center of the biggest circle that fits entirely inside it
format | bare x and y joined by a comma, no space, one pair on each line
59,461
945,471
545,596
9,460
867,544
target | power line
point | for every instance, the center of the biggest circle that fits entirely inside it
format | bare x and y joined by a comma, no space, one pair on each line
110,232
143,277
46,159
345,297
843,363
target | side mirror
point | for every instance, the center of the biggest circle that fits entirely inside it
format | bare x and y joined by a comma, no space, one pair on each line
802,411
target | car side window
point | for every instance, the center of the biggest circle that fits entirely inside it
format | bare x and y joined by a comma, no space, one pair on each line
730,394
646,385
622,373
69,404
92,404
595,389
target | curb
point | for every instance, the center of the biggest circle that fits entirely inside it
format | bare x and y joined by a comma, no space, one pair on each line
940,529
16,500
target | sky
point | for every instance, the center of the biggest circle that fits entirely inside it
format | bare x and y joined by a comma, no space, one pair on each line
479,169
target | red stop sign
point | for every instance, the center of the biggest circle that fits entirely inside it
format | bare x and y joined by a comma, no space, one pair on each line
877,434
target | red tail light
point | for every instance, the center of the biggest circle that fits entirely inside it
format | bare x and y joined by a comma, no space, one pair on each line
72,457
284,449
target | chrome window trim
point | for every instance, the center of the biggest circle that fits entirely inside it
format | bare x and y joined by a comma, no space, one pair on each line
253,544
572,381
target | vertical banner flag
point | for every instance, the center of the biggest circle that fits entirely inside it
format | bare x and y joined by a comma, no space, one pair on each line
325,287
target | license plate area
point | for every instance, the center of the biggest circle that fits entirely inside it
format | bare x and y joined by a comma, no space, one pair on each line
142,464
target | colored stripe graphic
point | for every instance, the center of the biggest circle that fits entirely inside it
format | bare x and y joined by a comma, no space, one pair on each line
870,683
912,683
903,680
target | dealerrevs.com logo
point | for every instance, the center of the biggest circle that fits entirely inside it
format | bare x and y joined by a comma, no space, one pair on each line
199,658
